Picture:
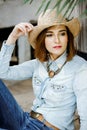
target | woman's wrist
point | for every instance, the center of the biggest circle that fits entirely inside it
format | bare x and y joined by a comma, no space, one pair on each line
11,39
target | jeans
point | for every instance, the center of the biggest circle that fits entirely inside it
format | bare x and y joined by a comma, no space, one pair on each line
12,117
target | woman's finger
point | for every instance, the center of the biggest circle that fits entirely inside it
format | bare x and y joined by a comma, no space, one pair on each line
25,27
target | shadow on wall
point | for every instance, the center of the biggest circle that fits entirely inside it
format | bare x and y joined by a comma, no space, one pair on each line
4,33
82,54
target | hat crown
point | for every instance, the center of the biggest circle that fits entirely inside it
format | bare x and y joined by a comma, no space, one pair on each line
50,17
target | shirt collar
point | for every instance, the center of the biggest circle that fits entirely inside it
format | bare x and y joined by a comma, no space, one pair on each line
54,65
60,60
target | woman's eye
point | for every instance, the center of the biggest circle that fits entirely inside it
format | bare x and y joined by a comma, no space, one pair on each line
49,35
63,33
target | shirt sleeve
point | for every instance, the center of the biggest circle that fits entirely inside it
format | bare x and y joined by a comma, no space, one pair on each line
17,72
80,87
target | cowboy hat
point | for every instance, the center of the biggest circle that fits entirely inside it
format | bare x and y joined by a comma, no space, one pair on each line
50,18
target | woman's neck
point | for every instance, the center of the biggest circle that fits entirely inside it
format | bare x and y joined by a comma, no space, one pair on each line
54,57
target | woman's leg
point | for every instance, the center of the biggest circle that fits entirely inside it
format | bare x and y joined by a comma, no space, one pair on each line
11,115
35,124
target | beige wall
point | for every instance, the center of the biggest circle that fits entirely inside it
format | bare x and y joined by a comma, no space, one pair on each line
15,11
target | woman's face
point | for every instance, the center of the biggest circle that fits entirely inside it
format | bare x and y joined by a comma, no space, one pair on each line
56,41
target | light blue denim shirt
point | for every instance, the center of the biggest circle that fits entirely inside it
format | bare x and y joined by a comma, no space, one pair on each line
56,98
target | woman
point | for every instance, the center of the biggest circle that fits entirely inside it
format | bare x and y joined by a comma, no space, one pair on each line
58,75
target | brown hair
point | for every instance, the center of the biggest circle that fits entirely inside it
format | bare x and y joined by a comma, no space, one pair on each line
71,50
42,54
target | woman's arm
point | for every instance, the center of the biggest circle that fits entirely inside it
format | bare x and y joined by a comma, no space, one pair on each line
17,72
19,30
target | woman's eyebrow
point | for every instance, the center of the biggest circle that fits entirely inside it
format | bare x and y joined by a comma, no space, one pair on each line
49,31
59,31
62,30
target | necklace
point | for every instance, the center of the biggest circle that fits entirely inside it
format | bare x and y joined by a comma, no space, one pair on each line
52,73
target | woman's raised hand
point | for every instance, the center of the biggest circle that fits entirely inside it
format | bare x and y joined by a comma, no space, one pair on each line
19,30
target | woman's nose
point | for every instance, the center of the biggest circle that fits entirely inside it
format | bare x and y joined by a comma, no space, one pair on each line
57,40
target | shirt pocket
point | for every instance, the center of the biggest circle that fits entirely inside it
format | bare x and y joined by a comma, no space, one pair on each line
37,85
55,93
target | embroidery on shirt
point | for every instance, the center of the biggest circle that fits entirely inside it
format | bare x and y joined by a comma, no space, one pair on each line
37,81
58,87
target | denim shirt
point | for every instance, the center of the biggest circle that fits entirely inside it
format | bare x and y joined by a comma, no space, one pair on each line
56,98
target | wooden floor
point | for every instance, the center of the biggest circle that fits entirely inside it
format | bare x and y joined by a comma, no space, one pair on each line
23,92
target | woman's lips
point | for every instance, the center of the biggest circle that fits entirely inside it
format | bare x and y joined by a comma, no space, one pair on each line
57,47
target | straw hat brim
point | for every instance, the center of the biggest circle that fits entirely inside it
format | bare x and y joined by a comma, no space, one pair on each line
73,26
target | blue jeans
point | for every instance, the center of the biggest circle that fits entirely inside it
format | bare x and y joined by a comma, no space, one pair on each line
12,117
